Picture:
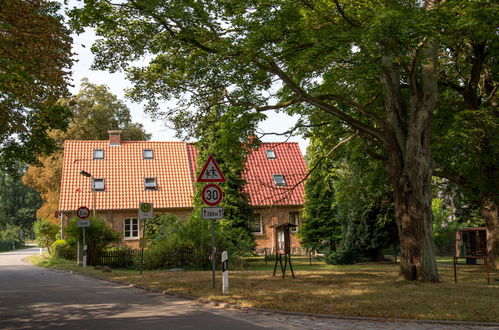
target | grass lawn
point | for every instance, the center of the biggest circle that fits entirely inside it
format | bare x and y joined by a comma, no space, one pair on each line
368,289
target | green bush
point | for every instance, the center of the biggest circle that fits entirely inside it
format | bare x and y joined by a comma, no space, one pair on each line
98,236
45,232
344,256
62,250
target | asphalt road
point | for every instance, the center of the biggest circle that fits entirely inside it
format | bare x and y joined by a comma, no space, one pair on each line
38,298
33,297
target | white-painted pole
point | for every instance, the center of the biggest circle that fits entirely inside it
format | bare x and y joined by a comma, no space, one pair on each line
225,272
84,250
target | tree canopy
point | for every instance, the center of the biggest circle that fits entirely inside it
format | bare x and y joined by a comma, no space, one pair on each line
372,65
35,58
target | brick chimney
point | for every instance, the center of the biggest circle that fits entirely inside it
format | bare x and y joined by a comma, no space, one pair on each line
114,138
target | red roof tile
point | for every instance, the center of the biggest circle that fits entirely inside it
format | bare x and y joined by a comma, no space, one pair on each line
261,187
174,167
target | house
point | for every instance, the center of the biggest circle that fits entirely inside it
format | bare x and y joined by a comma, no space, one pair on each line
121,174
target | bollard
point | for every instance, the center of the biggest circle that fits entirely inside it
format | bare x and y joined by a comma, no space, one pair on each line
225,273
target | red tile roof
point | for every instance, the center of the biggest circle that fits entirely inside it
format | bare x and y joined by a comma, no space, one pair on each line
174,167
289,162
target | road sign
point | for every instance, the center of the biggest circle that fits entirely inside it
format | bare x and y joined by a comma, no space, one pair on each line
212,213
145,211
211,172
211,194
83,223
83,212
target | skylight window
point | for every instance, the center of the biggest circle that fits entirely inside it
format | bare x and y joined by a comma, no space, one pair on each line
270,154
150,184
98,184
279,180
98,153
148,154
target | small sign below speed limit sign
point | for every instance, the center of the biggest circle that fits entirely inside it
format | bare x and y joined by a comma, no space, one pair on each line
211,194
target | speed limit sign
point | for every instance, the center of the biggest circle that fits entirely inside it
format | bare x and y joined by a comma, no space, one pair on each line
211,194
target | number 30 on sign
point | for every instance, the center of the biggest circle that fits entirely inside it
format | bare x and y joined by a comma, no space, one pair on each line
211,194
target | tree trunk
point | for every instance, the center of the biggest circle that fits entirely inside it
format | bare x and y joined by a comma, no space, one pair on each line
489,211
407,134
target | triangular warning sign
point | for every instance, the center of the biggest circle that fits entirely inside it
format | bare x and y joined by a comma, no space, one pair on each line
211,172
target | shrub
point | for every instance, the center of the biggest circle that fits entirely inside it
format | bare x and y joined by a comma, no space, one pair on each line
45,232
98,236
343,256
62,250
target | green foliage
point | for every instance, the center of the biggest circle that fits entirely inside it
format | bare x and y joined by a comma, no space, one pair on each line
320,229
98,236
62,250
9,237
187,243
18,202
45,233
35,57
228,138
344,256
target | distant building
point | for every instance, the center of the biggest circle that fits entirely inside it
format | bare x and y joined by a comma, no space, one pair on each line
126,173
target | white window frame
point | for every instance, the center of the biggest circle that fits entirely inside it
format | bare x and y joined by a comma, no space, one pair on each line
98,152
278,184
150,186
98,180
147,156
297,218
132,222
259,216
270,153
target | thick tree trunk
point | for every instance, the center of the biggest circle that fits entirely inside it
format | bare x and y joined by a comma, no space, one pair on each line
407,135
490,213
414,222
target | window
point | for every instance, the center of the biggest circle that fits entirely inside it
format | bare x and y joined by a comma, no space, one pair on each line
131,228
98,184
270,154
148,154
294,218
279,180
99,154
256,225
150,184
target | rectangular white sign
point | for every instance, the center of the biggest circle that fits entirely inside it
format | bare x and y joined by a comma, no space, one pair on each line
83,223
212,213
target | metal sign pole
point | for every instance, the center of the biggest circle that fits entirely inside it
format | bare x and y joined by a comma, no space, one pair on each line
213,252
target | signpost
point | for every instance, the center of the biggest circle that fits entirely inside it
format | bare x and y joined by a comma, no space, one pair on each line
212,196
145,212
83,212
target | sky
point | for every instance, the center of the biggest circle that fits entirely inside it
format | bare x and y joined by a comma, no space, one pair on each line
117,83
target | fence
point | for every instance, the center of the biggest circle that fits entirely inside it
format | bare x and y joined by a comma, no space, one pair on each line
118,258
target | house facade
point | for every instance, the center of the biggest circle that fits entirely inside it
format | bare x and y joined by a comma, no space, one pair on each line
112,177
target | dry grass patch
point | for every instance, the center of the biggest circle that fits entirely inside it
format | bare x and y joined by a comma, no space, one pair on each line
356,290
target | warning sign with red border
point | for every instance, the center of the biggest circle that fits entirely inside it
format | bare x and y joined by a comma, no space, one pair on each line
211,172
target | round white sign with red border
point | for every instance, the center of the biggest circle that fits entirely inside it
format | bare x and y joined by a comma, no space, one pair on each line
83,212
211,194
